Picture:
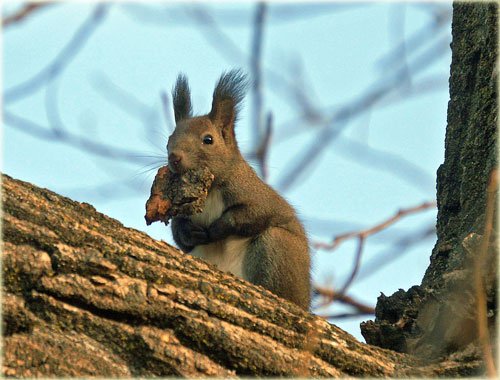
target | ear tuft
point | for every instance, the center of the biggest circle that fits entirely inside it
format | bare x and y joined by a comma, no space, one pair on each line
228,95
181,96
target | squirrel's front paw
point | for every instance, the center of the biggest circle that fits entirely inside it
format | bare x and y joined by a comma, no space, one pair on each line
195,235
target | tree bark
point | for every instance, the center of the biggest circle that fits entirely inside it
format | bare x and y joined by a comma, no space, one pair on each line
84,295
440,317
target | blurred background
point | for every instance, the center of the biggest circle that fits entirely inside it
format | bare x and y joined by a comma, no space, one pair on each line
345,117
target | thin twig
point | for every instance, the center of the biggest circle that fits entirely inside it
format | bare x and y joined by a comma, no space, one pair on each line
124,99
386,161
216,37
62,60
23,13
345,315
230,51
165,102
80,142
416,40
363,234
397,251
263,150
335,123
357,263
256,71
398,22
235,18
52,108
332,295
337,240
318,117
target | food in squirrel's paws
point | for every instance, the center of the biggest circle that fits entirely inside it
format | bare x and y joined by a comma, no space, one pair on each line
158,205
177,195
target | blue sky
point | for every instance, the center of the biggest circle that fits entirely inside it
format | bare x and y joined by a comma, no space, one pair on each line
110,92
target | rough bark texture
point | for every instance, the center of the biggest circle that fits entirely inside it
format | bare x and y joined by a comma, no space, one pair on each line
439,316
83,295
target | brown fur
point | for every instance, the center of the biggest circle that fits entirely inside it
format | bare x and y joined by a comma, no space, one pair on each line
246,228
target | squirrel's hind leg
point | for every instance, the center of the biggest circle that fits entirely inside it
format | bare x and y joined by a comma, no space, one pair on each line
279,261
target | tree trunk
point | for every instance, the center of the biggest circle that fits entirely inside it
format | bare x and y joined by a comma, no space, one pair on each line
440,316
83,295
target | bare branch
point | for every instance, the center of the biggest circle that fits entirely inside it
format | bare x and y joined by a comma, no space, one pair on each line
215,36
417,39
261,133
335,123
357,263
129,103
332,296
225,46
386,161
345,315
317,117
61,61
397,251
80,142
52,108
278,13
263,149
124,99
23,13
363,234
256,72
398,21
166,107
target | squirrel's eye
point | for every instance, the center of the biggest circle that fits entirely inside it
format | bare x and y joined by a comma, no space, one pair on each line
208,139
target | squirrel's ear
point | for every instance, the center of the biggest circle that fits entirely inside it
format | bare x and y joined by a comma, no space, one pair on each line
181,96
228,94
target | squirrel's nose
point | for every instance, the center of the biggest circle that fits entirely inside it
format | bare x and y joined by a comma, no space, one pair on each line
174,160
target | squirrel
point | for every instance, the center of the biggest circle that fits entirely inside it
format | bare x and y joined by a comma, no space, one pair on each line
246,227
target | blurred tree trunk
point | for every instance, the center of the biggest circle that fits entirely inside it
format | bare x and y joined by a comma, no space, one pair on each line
440,316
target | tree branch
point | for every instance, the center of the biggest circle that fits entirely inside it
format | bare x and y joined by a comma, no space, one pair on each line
91,297
363,234
23,13
61,61
332,296
83,143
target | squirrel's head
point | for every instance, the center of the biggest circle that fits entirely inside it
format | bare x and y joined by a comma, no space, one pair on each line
207,140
